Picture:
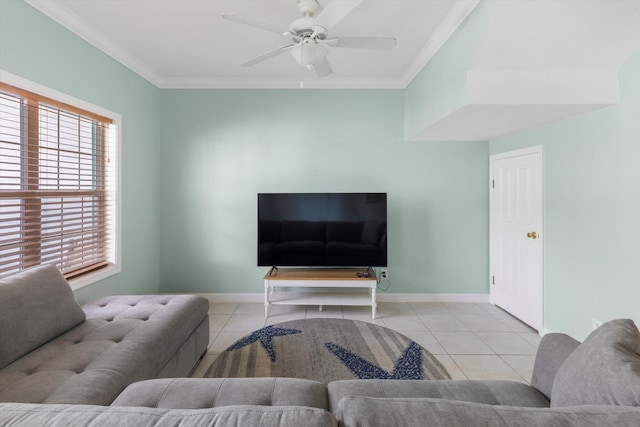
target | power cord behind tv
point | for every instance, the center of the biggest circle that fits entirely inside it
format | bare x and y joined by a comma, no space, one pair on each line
379,285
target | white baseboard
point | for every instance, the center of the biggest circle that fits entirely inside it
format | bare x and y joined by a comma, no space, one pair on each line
218,298
474,298
381,297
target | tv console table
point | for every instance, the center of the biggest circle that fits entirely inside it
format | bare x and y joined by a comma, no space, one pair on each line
343,278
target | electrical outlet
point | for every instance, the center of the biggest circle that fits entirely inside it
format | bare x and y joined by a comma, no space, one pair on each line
596,323
384,274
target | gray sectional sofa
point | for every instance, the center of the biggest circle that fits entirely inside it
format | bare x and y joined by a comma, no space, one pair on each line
596,383
54,351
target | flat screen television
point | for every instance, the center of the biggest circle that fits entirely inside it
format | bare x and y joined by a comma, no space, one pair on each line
322,229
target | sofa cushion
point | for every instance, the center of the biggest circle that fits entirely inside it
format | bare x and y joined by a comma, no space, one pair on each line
553,350
36,306
372,412
125,339
508,393
197,393
603,370
29,415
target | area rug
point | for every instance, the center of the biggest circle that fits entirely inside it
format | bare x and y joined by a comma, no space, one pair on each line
326,350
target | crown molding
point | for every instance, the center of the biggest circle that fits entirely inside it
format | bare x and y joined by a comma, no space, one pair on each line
55,10
63,16
353,83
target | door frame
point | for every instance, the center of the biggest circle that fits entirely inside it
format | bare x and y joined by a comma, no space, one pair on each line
537,149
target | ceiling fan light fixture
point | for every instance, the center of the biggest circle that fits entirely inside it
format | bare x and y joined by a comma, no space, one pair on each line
309,53
310,35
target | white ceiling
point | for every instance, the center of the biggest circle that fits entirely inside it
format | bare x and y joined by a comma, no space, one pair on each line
537,61
186,43
560,35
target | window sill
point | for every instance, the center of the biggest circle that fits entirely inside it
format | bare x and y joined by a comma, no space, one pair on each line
96,276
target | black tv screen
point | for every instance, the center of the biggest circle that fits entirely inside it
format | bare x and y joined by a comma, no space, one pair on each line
322,229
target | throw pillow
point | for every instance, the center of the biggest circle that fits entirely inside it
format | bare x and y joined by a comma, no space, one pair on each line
603,370
36,306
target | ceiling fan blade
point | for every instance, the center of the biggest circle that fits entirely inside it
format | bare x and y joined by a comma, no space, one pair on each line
252,22
371,43
323,68
267,55
335,12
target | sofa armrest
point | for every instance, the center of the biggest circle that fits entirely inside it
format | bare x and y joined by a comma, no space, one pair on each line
552,352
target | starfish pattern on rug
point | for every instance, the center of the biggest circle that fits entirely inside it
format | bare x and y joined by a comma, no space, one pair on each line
265,336
407,367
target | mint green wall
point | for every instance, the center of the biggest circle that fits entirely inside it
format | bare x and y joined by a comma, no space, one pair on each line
222,147
36,48
439,89
592,210
195,232
215,149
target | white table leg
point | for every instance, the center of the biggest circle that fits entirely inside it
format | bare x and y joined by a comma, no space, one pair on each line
266,300
373,302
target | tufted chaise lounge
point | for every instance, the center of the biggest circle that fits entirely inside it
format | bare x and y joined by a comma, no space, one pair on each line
54,351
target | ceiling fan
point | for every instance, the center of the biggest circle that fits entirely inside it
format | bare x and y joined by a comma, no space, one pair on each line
310,35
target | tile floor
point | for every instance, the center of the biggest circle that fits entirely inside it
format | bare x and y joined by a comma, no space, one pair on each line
474,341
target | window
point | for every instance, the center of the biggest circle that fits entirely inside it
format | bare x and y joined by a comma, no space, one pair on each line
57,185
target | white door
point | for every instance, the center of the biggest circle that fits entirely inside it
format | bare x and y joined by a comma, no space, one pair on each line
516,234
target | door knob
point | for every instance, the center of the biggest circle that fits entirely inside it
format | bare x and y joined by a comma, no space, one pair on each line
532,235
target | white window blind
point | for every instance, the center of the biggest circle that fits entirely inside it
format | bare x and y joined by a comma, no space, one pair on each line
56,185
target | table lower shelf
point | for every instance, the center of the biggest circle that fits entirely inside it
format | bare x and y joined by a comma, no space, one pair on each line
354,288
320,298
